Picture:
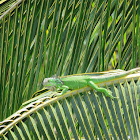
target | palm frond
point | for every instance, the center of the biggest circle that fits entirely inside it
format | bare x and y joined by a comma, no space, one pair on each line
80,113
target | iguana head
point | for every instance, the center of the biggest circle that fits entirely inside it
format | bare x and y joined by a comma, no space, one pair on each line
52,83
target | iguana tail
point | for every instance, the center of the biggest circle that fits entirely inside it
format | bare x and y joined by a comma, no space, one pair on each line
133,70
111,76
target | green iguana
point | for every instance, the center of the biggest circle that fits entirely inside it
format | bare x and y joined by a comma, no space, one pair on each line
74,82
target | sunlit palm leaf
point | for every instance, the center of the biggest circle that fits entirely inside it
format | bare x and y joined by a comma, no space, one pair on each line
6,5
97,116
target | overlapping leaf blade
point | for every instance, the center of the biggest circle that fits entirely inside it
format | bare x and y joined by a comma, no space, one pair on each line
41,38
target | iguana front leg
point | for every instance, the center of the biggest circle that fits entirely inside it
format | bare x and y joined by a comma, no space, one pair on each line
64,89
99,89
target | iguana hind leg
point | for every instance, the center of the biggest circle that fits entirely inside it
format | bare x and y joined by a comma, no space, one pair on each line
100,89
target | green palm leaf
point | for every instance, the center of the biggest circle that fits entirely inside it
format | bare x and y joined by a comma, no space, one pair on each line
42,38
97,116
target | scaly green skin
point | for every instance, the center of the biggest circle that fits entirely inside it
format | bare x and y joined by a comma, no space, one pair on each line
79,81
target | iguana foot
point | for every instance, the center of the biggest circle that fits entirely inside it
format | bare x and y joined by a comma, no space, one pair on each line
108,93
